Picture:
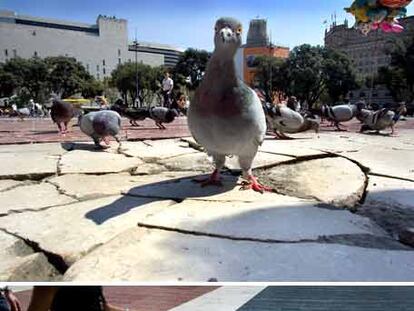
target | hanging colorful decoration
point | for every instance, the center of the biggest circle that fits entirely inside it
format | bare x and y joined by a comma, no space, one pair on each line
378,14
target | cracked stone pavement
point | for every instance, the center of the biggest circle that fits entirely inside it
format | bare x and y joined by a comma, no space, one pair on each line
343,210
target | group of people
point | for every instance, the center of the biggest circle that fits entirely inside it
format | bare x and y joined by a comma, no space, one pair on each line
178,102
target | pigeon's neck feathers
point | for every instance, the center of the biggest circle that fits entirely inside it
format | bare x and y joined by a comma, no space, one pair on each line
222,70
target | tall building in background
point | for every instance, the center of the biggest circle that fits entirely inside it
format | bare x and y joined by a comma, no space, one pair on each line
257,44
100,47
368,53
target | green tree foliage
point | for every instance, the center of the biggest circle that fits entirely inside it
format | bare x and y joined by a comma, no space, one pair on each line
399,76
36,78
307,73
124,78
271,75
192,64
66,76
92,88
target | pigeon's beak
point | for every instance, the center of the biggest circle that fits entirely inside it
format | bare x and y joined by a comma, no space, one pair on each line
227,35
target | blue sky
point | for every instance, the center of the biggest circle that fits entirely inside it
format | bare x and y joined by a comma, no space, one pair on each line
189,23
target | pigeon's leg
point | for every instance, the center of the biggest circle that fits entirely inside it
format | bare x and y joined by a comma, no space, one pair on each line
214,179
251,181
393,131
60,127
106,140
338,127
284,136
65,127
160,126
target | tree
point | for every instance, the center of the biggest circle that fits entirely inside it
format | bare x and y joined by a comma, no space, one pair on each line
339,74
66,76
28,76
399,76
271,76
191,65
92,88
124,78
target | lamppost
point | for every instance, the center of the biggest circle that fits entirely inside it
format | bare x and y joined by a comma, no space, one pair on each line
136,44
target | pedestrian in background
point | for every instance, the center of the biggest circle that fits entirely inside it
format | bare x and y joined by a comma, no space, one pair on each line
167,87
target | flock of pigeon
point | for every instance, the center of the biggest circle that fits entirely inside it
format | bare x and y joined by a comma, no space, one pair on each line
226,116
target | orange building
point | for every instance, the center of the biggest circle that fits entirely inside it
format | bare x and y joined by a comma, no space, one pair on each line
250,54
257,44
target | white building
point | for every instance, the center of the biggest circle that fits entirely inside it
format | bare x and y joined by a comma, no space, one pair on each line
99,47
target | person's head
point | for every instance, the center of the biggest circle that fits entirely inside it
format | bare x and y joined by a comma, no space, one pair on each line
166,74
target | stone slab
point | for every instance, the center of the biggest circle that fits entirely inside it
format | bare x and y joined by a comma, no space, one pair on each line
20,264
86,187
96,162
186,188
52,149
7,184
390,191
32,197
152,150
27,165
160,256
284,219
386,161
72,231
335,181
289,148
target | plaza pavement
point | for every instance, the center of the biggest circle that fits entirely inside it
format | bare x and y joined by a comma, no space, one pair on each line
343,211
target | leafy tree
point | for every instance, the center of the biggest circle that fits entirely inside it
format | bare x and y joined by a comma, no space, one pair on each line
124,78
399,76
27,76
192,66
92,88
8,82
66,76
271,76
339,74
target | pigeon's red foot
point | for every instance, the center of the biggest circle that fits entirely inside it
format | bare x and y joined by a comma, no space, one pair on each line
106,140
213,180
253,184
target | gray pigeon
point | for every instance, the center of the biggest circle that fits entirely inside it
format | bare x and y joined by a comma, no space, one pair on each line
340,113
283,119
100,125
61,113
227,117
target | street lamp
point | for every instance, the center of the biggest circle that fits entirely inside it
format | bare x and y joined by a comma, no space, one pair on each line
136,44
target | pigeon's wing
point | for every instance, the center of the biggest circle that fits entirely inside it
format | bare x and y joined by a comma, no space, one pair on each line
290,119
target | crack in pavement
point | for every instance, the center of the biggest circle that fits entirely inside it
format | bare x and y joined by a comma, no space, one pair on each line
55,260
391,177
359,240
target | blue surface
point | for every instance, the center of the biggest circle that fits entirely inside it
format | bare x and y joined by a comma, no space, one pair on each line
332,299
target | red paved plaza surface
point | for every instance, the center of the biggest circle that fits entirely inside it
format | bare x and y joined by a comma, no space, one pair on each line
14,131
142,298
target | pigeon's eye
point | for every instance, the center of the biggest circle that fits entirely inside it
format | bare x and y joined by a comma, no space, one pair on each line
239,30
215,29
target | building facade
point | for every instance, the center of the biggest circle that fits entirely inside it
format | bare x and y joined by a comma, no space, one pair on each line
100,47
257,44
368,53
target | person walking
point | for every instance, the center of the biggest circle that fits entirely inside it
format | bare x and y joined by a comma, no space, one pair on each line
167,87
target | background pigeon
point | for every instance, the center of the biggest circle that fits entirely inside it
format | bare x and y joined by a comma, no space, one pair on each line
61,113
381,119
226,117
100,125
340,113
283,119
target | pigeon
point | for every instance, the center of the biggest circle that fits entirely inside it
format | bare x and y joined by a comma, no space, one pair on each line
159,114
100,125
381,119
61,113
133,114
283,119
21,112
227,117
340,113
162,115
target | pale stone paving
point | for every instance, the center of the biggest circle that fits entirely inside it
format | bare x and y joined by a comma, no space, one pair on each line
133,212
